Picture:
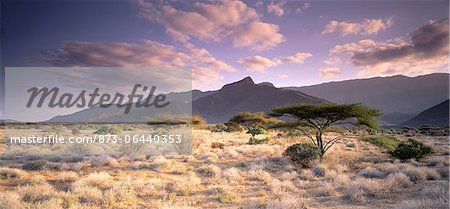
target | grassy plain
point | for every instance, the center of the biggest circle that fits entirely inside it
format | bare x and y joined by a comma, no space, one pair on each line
354,174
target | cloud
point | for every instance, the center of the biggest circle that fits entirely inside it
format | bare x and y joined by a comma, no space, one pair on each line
205,68
296,58
259,63
367,27
214,21
427,41
304,7
425,51
276,8
258,36
329,72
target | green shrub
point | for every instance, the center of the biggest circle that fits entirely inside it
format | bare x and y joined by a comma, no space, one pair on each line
258,141
108,130
386,142
86,127
35,165
302,154
411,149
256,131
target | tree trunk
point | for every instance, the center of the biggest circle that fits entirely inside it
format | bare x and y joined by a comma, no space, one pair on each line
320,144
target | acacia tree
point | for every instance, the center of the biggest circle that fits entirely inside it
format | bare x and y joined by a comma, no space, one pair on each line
314,120
254,122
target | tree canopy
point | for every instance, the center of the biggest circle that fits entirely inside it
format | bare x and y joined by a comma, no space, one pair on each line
255,122
254,119
322,118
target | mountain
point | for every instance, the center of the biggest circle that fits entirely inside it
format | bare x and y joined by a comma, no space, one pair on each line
437,115
215,106
246,96
197,94
400,98
114,114
180,104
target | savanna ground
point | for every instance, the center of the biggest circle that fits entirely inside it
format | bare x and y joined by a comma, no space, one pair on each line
354,174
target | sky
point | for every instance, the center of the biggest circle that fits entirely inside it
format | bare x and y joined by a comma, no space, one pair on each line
80,83
288,43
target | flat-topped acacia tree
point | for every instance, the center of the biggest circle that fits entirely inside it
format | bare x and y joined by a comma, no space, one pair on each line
322,118
254,122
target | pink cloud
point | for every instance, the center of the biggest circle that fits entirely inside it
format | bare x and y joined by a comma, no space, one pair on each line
214,21
257,63
206,68
260,64
366,27
276,8
425,51
329,72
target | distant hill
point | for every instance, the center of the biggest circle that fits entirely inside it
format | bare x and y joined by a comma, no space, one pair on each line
437,115
399,97
245,95
180,103
215,106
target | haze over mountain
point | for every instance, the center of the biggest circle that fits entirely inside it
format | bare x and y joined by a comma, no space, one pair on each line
437,115
400,98
114,114
215,106
246,96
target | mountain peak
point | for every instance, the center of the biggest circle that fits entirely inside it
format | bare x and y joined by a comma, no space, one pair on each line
247,81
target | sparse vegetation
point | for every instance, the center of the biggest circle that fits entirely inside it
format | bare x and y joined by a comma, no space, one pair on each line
76,131
11,173
258,141
236,175
388,143
108,130
36,165
219,128
233,127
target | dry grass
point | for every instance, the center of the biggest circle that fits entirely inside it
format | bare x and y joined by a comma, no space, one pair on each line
11,173
237,176
102,180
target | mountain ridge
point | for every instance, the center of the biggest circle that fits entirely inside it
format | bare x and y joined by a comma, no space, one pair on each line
400,92
246,96
399,97
437,115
